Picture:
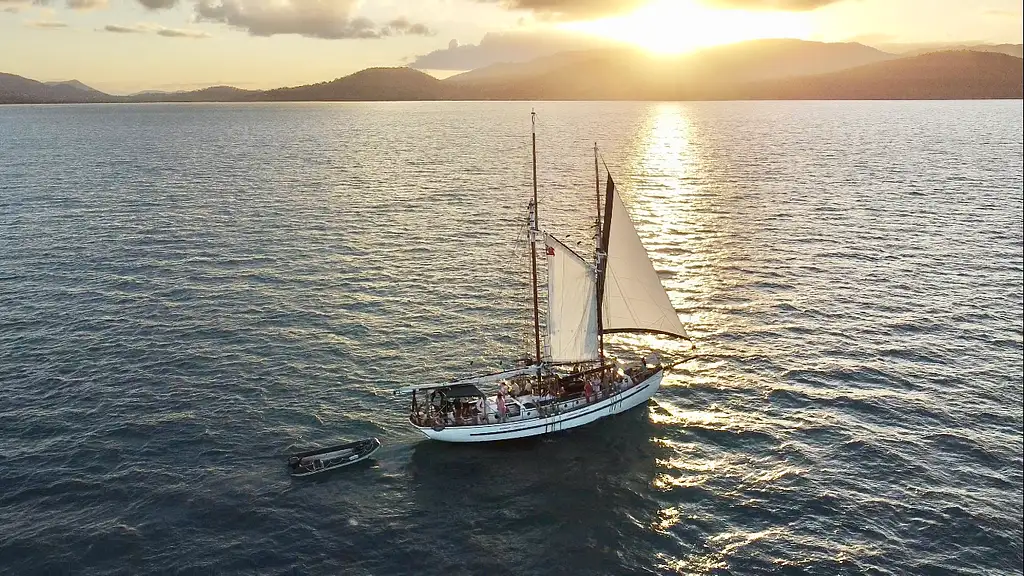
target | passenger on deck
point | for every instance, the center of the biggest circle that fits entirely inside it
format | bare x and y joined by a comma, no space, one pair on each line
501,407
528,388
588,390
481,411
514,389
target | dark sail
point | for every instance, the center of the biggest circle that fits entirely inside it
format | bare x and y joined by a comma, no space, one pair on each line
606,228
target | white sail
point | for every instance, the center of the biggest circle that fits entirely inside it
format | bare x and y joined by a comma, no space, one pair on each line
634,299
572,305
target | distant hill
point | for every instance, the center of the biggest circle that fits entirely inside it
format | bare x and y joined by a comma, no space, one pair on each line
76,85
618,73
939,75
513,71
586,75
369,84
16,89
762,69
1015,50
624,74
777,58
211,94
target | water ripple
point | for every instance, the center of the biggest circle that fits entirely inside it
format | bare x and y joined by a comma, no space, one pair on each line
188,293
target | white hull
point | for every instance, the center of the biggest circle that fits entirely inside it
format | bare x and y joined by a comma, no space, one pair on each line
572,413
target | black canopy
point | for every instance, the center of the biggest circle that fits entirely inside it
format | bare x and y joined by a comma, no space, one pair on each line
461,391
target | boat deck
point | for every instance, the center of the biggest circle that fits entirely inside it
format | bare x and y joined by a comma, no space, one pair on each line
529,406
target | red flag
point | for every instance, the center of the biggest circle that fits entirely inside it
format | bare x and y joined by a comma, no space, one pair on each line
551,250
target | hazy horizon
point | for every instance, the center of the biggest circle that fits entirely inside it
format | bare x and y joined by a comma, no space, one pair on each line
129,46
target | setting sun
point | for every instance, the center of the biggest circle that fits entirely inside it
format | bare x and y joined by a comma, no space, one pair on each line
676,26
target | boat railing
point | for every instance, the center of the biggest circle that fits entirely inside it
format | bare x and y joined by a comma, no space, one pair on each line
544,406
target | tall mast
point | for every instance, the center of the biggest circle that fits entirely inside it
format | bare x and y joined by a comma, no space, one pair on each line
602,251
534,228
597,254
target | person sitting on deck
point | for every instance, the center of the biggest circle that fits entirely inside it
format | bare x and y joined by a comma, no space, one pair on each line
514,390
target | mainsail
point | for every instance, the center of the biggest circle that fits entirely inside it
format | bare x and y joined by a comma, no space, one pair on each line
633,299
572,305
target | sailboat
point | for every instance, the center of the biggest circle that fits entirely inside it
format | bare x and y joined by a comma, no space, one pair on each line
569,381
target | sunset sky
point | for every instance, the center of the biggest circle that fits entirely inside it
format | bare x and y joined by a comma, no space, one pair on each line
129,45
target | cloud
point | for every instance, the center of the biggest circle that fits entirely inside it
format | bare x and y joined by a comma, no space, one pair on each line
403,26
780,5
86,4
329,19
46,24
122,29
501,47
181,33
143,28
1015,14
571,9
158,4
16,6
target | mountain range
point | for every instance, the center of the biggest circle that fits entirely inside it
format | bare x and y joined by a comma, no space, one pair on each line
760,69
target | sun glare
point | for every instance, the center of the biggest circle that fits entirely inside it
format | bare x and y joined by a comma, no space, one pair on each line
677,26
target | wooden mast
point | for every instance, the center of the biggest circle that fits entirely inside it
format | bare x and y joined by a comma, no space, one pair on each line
597,250
534,228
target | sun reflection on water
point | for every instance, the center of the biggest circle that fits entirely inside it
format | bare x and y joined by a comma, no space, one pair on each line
665,198
661,170
704,448
669,414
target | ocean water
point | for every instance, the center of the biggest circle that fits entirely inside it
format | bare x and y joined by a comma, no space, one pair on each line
190,292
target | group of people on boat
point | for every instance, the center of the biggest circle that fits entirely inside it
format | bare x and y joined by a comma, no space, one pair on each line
527,393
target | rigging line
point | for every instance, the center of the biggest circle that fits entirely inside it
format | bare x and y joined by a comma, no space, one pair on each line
694,357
